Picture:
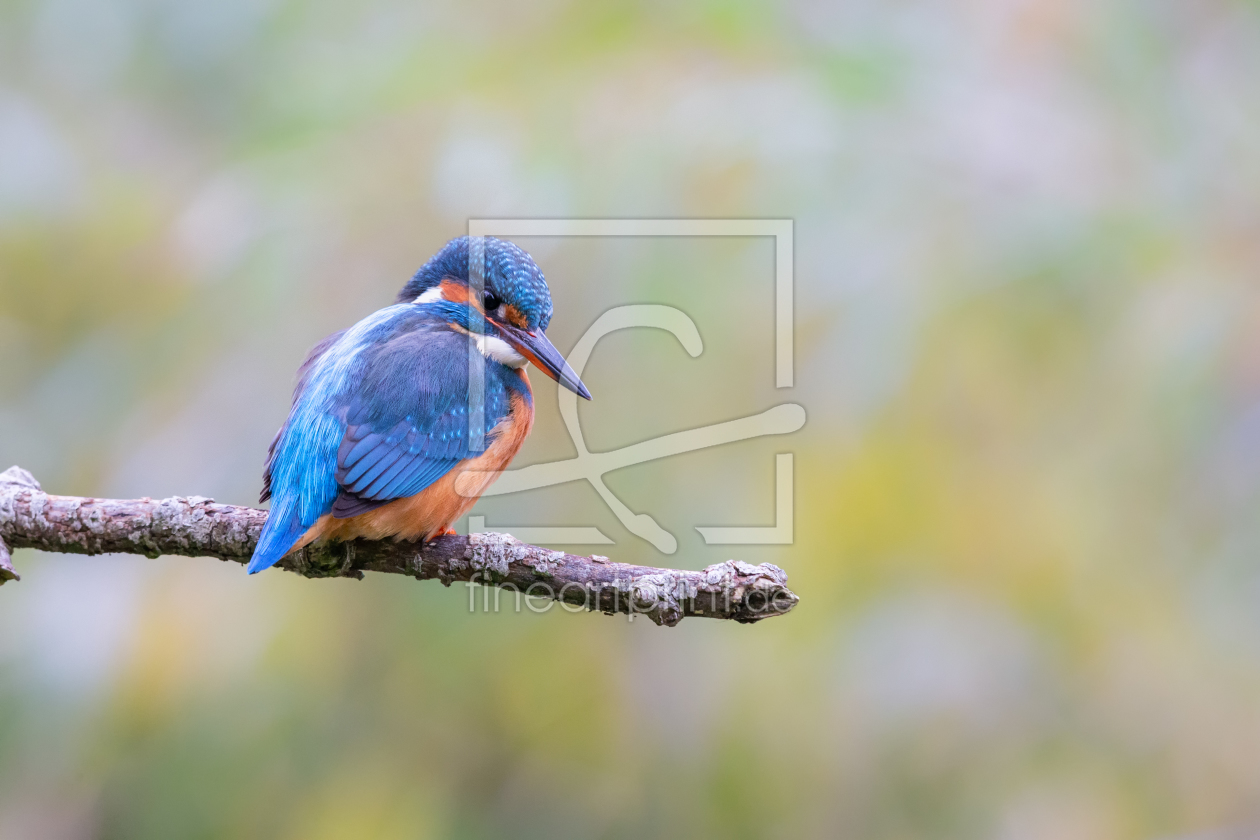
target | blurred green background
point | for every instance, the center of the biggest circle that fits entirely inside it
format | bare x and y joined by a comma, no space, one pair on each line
1027,320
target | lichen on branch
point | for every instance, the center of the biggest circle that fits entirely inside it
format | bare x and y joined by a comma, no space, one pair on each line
195,526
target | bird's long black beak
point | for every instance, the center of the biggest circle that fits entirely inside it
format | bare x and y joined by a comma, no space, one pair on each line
536,347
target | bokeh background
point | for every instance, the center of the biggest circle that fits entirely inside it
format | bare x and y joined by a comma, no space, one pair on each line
1027,320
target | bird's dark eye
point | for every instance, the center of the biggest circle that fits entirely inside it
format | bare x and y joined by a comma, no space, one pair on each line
490,301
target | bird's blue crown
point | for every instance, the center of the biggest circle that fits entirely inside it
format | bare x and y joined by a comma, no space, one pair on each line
508,271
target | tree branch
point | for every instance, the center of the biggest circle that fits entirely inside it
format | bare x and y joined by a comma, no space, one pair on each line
198,527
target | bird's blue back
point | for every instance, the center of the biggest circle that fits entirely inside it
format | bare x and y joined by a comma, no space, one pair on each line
380,414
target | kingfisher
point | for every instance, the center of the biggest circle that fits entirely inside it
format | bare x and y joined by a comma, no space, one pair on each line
401,422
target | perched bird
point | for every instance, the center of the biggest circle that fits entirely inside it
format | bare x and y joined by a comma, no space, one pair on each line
385,417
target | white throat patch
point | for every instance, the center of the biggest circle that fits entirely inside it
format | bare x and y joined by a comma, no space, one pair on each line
495,348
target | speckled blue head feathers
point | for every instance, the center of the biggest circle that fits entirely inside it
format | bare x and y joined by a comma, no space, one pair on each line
509,273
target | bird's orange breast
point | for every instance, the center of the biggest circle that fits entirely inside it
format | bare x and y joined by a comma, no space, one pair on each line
432,511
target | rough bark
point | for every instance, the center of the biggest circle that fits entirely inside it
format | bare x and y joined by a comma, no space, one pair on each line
198,527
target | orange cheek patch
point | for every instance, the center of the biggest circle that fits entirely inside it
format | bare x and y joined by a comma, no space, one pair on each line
455,291
515,316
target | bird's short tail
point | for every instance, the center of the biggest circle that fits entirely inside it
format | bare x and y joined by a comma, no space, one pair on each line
282,530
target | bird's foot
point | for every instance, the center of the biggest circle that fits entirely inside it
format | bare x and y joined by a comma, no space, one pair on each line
445,532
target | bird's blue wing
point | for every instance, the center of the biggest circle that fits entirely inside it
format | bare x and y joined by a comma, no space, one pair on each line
407,424
381,413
